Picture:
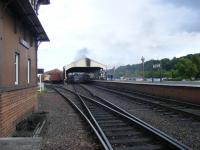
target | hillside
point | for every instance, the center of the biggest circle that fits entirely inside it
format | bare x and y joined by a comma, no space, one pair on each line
186,67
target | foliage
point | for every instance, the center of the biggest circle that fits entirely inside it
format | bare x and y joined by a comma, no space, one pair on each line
196,60
186,67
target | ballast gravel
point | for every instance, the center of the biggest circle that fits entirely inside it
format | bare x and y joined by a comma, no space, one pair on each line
183,130
65,129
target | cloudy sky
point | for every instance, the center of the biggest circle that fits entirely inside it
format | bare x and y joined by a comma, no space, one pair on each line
118,32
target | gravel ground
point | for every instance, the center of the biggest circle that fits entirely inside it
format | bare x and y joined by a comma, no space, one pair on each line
65,128
183,130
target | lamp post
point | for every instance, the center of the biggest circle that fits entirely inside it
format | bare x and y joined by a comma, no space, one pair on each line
142,59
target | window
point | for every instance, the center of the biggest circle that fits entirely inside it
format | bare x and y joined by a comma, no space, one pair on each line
25,35
16,68
29,71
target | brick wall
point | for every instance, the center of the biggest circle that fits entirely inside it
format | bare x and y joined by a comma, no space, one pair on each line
14,106
182,93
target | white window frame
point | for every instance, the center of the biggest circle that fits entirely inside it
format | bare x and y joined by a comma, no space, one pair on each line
16,68
29,71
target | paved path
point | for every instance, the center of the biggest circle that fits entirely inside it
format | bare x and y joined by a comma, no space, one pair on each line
22,143
164,83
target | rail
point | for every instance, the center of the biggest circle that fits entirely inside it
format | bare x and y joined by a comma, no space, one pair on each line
168,105
163,138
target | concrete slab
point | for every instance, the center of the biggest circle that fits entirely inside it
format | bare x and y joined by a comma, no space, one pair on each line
20,143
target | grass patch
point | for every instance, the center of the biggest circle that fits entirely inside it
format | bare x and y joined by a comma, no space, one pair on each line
42,91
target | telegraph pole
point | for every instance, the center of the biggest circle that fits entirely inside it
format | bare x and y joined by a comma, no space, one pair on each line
142,59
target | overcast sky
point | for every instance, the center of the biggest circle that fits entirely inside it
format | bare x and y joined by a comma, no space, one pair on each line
118,32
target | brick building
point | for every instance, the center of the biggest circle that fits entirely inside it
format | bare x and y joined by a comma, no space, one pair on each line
20,34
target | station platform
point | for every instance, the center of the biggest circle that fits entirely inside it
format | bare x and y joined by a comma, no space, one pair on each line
164,83
185,91
20,143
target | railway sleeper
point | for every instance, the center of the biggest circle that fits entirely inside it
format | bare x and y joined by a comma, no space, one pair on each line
110,121
124,141
113,125
141,147
122,133
130,142
118,129
108,124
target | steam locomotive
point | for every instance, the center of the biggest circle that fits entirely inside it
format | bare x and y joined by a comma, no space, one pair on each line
80,78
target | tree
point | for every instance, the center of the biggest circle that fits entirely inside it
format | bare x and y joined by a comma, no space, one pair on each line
175,68
186,69
166,64
196,60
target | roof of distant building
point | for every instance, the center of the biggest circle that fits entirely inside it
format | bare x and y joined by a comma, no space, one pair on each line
85,65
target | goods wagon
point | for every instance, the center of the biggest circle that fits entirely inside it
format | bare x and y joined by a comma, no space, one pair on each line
53,76
46,78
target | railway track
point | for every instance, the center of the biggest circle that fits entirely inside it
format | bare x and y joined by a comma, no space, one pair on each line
74,100
164,106
120,130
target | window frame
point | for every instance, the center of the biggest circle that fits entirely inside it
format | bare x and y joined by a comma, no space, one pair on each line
17,67
29,71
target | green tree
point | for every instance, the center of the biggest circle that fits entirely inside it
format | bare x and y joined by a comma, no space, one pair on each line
196,60
166,64
169,68
186,69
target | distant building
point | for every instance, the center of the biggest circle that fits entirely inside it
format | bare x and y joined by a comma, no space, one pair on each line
20,34
53,76
85,65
